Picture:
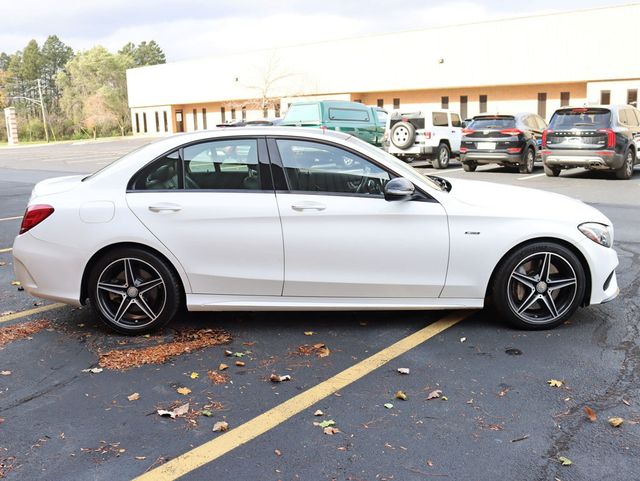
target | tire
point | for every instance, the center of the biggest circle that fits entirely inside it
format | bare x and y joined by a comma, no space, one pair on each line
469,166
442,158
528,160
538,286
147,303
551,171
626,171
403,135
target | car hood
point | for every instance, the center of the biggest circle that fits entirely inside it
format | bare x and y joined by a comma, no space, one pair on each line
56,185
507,200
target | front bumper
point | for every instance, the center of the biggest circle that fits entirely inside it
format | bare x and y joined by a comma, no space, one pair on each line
584,159
602,265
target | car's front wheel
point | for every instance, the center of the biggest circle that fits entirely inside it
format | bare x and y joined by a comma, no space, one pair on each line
539,286
134,291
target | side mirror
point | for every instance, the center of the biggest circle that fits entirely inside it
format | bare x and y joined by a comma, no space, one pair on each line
398,189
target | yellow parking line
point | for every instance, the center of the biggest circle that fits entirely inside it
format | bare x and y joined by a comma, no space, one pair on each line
7,249
29,312
11,218
212,450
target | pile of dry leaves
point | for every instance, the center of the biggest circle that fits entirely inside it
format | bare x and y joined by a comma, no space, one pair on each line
20,331
185,342
319,349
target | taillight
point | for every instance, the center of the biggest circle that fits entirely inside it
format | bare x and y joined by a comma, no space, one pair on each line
544,137
427,135
511,131
464,150
514,150
34,215
467,131
611,137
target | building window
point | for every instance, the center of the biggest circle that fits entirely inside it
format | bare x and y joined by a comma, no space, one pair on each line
565,99
157,115
396,103
166,121
233,114
380,103
277,107
204,119
464,100
358,101
483,104
222,114
265,112
195,119
137,123
244,113
144,122
444,103
605,97
632,97
542,105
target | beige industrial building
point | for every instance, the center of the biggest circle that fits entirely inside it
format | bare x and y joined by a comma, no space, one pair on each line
535,63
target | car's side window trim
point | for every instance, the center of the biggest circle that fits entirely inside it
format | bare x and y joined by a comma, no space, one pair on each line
276,161
266,180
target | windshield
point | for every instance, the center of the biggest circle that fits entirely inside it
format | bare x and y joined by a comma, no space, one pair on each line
490,123
580,117
303,113
399,166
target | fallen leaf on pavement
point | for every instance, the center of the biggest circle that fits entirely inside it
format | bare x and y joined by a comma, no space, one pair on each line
401,395
565,461
318,413
554,383
444,398
404,370
309,333
5,373
388,405
206,412
133,397
325,424
331,431
222,367
434,394
217,378
220,426
183,390
177,412
616,422
463,339
240,364
227,352
94,370
626,402
238,354
319,349
141,458
277,378
15,283
194,375
591,414
277,452
429,463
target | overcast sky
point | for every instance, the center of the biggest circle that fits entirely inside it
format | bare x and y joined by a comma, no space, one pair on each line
195,28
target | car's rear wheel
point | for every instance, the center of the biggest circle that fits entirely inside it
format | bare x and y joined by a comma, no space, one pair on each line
134,291
626,171
443,155
539,286
528,161
469,166
551,171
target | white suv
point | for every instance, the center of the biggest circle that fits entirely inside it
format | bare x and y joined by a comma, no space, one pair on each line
431,135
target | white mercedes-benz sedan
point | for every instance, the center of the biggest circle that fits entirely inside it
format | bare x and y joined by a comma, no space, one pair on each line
277,218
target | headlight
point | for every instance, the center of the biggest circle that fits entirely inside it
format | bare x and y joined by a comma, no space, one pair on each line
598,233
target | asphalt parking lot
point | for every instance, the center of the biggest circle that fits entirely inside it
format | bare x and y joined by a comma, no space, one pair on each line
493,414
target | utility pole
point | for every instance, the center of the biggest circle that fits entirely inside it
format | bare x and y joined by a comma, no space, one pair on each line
44,117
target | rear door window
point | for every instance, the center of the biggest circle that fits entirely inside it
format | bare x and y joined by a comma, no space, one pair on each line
582,117
455,120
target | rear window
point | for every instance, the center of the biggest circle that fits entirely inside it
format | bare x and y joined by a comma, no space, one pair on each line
491,123
356,115
382,116
440,119
303,113
580,117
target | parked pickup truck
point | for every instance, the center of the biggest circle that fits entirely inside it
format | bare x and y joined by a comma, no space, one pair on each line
362,121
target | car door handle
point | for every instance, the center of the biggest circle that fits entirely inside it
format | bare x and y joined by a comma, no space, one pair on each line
302,206
165,207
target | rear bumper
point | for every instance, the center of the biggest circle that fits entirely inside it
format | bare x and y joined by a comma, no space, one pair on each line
582,158
480,157
414,150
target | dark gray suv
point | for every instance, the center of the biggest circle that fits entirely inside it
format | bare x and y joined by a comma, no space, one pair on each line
594,137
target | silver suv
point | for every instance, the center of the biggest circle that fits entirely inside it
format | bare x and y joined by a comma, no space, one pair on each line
424,135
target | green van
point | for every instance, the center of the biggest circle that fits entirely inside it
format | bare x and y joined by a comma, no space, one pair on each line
366,123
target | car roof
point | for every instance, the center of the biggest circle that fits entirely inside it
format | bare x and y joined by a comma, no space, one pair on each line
330,103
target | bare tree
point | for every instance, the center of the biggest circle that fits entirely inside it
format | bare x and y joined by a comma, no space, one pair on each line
268,85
